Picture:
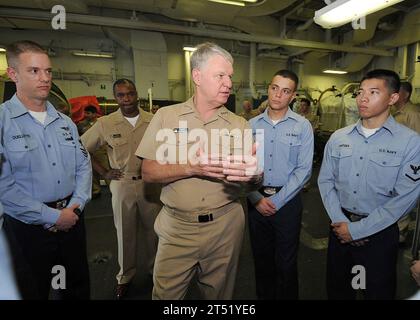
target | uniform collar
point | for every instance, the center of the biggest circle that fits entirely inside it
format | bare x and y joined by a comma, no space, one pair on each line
389,125
121,118
289,115
18,109
189,107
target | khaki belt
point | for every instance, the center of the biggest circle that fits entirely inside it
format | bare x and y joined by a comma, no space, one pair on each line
203,216
130,176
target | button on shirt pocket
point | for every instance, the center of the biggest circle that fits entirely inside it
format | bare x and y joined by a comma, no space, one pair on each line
119,145
21,151
292,144
342,162
383,172
227,145
174,147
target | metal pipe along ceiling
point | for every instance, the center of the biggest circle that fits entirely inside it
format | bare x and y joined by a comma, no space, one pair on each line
168,28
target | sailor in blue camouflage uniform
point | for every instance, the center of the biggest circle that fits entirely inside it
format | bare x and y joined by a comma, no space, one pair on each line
45,181
369,179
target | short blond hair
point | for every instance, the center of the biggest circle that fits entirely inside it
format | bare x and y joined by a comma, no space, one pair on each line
16,48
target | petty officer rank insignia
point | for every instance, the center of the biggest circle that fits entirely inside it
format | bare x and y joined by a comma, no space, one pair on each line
414,173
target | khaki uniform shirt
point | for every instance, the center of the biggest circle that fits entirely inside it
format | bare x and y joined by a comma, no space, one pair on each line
121,139
409,116
84,126
249,115
263,106
194,194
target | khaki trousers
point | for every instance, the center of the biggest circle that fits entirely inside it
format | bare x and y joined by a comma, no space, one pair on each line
101,156
135,205
210,250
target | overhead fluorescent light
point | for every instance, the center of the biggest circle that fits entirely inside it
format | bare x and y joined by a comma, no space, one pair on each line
334,71
189,48
93,54
252,1
341,12
233,3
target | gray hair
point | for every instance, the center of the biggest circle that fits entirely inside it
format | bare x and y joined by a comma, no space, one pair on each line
205,51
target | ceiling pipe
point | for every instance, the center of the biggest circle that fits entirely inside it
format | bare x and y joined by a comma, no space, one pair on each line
286,16
306,25
177,29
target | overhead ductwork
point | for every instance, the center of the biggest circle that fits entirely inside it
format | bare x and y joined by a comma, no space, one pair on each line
258,25
119,36
408,32
358,36
353,62
177,29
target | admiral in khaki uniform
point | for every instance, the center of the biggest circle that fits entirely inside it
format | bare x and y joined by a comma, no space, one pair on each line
200,227
134,202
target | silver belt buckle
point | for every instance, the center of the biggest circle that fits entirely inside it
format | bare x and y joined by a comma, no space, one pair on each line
269,190
61,204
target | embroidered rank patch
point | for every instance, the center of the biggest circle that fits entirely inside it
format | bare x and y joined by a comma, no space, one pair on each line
414,173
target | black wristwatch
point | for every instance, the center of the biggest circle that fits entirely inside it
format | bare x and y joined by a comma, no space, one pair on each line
77,211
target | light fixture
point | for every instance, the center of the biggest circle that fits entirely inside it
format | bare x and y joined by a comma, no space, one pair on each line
234,3
334,71
341,12
93,54
189,48
2,50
